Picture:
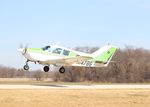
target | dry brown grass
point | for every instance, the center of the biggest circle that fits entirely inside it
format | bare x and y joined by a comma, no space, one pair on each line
75,98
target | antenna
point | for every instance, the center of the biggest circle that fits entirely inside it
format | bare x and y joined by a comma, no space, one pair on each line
108,43
56,43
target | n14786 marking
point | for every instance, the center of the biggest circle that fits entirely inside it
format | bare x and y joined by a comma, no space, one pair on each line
86,63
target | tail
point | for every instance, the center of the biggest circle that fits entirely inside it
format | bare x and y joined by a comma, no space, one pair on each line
104,54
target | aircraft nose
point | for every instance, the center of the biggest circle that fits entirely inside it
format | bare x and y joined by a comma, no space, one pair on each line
22,50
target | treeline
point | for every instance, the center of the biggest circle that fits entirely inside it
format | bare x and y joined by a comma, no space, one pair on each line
8,72
129,65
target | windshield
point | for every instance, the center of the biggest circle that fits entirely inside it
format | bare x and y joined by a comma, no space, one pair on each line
57,50
46,48
52,49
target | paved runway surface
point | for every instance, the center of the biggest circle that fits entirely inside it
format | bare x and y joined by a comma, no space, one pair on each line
41,86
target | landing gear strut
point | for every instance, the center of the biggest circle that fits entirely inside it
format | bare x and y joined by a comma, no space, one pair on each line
62,70
46,68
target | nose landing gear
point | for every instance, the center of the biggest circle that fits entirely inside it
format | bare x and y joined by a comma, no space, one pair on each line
26,67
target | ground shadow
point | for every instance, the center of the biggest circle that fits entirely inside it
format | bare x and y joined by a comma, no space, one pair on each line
49,85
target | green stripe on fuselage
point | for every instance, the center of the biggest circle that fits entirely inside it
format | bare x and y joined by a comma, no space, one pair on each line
34,49
72,54
38,50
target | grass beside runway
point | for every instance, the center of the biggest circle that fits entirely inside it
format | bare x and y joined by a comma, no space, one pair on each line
75,98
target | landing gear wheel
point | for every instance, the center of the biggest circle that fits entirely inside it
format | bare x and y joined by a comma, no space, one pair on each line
62,70
26,67
46,68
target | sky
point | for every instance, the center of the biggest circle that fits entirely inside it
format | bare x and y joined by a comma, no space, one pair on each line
71,23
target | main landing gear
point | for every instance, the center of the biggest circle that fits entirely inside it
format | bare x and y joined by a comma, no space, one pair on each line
61,69
46,68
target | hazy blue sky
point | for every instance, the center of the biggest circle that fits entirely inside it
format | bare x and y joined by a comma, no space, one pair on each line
71,23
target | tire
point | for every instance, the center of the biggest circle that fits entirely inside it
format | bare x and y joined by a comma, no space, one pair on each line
62,70
46,68
26,67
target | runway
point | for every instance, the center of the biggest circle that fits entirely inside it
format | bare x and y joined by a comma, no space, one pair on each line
53,86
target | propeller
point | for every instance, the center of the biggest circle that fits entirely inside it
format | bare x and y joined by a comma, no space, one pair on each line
23,49
21,46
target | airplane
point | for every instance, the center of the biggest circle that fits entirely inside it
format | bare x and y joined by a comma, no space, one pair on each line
62,57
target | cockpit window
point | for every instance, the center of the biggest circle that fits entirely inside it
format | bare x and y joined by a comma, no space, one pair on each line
46,48
57,51
66,52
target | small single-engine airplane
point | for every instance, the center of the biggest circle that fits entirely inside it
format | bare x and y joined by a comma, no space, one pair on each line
61,56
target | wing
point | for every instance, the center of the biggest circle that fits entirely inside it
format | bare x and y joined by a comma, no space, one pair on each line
77,59
66,61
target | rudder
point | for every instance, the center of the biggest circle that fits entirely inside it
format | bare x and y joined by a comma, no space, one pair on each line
104,54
